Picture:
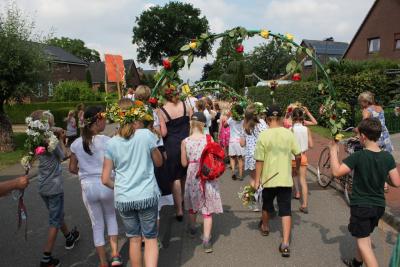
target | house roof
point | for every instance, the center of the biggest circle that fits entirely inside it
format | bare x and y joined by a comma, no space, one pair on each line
97,69
326,47
361,26
58,54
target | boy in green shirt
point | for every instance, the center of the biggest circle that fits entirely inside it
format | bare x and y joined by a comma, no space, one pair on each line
273,155
371,168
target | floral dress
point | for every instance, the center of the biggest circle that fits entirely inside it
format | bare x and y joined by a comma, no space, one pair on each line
384,141
224,134
210,201
251,140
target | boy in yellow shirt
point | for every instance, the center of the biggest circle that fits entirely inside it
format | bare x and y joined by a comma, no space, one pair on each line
273,154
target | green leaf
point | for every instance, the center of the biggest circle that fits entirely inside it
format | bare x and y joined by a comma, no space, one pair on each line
299,51
309,52
321,86
332,121
291,66
190,60
232,33
343,120
334,130
185,48
328,71
181,63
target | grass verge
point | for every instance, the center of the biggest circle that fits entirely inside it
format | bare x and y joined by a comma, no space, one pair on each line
10,158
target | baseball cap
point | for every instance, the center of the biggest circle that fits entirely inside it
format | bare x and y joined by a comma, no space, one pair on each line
199,116
274,111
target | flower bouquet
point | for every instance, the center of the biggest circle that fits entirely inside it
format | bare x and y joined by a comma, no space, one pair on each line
40,139
247,195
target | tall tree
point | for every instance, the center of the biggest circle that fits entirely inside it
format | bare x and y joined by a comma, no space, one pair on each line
161,31
76,47
269,60
22,65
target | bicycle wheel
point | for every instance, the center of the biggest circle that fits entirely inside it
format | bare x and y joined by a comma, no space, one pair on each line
348,187
324,173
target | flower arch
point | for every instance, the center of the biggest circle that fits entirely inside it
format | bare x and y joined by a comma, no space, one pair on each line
168,74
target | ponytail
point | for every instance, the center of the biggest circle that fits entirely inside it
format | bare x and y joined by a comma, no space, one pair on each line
90,117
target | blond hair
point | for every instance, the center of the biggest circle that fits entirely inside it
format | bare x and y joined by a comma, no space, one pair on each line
143,92
196,125
128,129
43,115
367,97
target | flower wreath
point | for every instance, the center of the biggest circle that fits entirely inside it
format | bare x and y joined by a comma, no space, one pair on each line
237,112
259,108
40,139
137,112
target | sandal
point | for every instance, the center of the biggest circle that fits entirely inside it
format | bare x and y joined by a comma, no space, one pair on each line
285,251
304,210
262,231
234,177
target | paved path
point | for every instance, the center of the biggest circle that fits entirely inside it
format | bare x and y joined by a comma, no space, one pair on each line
319,238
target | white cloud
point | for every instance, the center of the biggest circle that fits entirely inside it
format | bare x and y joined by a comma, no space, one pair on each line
107,25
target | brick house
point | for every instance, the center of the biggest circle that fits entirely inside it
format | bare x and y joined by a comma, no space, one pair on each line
97,69
379,33
325,51
63,66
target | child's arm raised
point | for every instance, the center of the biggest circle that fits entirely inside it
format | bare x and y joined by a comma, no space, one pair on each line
156,157
337,168
184,160
106,175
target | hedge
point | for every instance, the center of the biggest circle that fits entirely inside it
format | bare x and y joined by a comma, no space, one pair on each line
18,112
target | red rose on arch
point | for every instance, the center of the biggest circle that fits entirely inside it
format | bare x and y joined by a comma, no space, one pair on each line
153,101
166,63
333,117
240,48
290,110
296,77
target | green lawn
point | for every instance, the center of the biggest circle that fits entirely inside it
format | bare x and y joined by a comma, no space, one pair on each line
325,132
10,158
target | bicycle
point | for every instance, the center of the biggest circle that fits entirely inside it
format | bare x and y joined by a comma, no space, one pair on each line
324,173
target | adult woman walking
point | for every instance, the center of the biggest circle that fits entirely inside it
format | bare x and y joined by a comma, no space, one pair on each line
174,125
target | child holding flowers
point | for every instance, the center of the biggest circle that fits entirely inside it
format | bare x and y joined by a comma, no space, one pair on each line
87,161
208,201
133,154
236,152
51,185
253,126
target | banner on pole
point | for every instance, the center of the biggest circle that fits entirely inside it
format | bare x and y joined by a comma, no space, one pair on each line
115,68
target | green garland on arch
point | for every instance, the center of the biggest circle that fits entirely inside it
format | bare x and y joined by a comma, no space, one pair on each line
171,65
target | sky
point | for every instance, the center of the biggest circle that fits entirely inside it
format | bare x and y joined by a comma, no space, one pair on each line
106,25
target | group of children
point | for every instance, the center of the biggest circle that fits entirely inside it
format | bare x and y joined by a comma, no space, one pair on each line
125,174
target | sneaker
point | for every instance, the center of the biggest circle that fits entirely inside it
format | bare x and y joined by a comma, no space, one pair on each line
207,246
116,260
234,177
284,250
51,263
70,243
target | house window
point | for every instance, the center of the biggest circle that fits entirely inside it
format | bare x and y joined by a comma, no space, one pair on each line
374,45
50,88
308,63
397,41
68,68
39,90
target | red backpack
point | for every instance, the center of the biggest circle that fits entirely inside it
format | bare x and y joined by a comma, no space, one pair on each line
212,163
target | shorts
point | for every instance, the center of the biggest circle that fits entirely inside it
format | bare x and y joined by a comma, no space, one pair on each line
364,219
140,222
235,149
55,205
284,199
166,200
304,161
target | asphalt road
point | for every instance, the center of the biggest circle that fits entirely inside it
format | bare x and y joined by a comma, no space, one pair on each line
319,238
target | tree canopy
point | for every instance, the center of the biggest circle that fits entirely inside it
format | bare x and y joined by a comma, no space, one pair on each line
76,47
22,65
161,31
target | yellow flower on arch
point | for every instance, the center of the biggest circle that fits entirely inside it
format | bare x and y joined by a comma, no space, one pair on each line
264,33
289,36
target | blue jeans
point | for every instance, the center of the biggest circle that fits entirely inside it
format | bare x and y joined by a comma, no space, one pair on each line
55,205
141,222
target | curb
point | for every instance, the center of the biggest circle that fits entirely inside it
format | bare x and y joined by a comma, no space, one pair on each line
387,217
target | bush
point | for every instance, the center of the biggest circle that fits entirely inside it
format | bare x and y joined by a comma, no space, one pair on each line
18,112
74,91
